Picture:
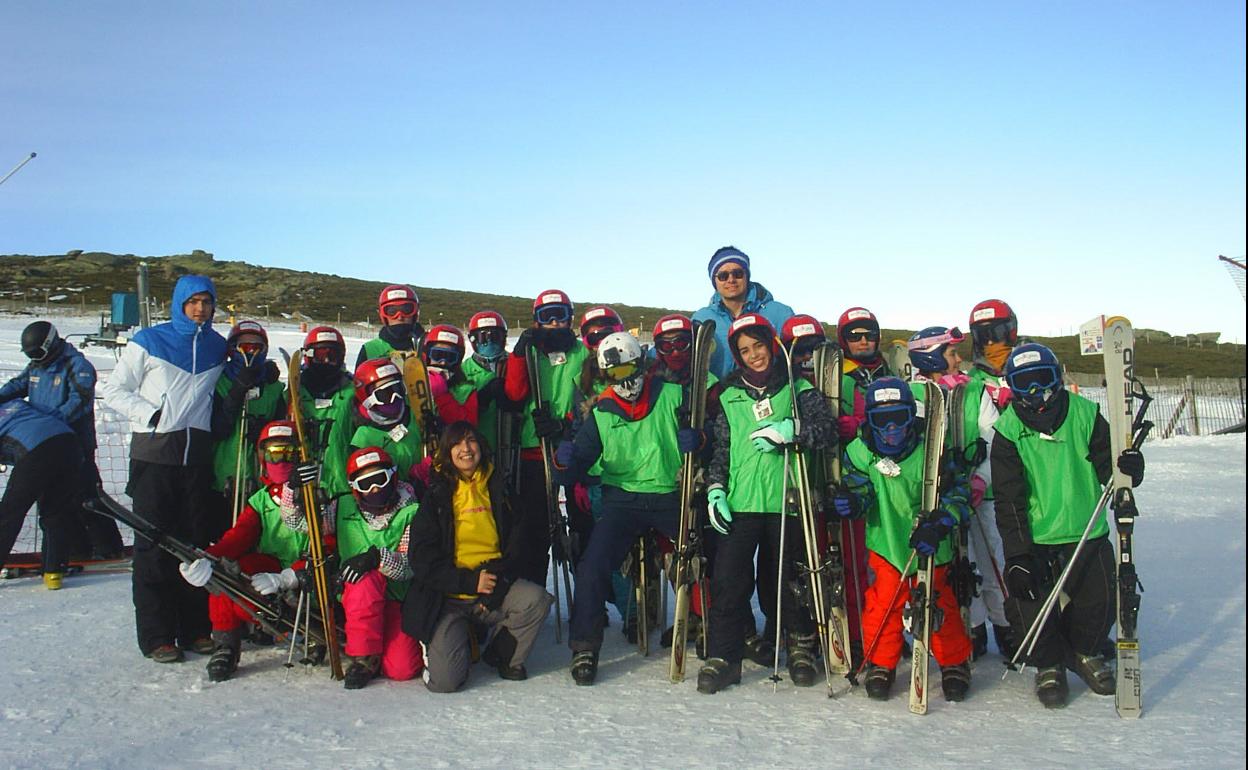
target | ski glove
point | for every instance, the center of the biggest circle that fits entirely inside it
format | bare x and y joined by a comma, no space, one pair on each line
717,509
355,568
931,532
1022,578
688,440
197,572
527,339
545,425
269,583
773,436
564,454
846,505
1131,462
305,473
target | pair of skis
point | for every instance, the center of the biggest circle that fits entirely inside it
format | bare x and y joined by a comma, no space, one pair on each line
419,396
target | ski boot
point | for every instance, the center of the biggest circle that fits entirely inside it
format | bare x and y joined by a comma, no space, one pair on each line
801,659
979,641
955,680
167,653
499,652
204,645
1051,688
716,674
52,580
361,672
1004,636
1095,671
224,660
879,681
584,667
760,650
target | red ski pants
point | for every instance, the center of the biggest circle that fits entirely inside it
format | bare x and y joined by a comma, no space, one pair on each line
950,644
374,627
224,612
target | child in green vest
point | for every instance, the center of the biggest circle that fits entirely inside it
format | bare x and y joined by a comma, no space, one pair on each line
372,547
326,404
384,418
746,483
401,332
1050,457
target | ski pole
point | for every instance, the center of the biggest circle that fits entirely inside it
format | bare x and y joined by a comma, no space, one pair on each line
294,636
853,557
784,514
866,655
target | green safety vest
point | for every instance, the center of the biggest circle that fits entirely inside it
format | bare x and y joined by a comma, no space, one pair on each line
558,385
755,479
356,537
405,453
225,454
970,409
1062,485
377,348
898,502
328,425
478,377
642,455
276,539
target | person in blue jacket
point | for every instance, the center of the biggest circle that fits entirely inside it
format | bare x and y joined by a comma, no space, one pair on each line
163,383
42,451
736,293
60,381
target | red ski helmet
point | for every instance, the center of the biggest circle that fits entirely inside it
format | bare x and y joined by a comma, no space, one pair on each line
276,432
246,327
993,321
398,294
440,338
801,325
559,304
751,321
856,320
367,457
598,322
324,338
372,374
672,323
486,319
369,470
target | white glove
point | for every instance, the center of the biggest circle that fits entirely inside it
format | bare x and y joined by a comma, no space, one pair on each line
197,573
269,583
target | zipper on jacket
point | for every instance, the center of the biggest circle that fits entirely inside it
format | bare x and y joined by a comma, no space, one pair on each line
186,451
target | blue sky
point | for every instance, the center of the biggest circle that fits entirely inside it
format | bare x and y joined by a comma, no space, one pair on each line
1071,158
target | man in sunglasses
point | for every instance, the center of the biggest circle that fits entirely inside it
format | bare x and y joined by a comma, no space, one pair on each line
163,383
60,381
735,294
399,310
1050,458
561,358
248,396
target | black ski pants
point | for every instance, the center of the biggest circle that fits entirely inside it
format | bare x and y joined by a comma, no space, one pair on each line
733,581
1084,623
47,475
177,500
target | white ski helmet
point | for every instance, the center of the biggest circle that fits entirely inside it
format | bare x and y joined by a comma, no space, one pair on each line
621,361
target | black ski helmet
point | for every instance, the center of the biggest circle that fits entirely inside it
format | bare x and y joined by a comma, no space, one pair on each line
40,342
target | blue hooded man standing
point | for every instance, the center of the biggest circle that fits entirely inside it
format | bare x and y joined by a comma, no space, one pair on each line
735,293
163,385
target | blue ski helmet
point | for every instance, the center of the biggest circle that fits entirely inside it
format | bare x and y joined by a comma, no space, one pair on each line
891,413
927,347
1033,374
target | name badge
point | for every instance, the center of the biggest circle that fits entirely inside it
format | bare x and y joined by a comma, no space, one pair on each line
762,409
252,393
397,433
322,403
557,359
887,467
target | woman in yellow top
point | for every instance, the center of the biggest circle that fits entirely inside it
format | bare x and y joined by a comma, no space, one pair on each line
462,546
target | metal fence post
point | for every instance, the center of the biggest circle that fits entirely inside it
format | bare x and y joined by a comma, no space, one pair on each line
1191,405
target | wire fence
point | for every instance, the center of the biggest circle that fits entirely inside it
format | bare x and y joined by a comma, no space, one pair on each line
1188,406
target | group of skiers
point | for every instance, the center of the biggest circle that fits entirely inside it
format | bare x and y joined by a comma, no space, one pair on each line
436,466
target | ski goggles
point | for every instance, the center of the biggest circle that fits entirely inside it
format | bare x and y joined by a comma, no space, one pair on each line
862,335
806,346
442,356
622,372
732,274
1034,379
675,344
279,453
250,349
387,393
38,352
890,417
552,314
397,309
1004,330
927,344
372,481
599,333
324,354
485,336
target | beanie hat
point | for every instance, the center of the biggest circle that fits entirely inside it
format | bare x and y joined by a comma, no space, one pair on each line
727,254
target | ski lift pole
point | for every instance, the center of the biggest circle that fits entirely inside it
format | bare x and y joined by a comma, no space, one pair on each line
17,168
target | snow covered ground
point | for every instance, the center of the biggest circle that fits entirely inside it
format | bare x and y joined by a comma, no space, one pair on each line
76,692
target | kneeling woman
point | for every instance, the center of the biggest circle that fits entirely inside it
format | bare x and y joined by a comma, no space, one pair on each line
461,549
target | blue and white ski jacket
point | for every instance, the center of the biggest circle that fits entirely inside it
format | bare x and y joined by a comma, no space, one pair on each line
63,387
164,382
758,300
23,427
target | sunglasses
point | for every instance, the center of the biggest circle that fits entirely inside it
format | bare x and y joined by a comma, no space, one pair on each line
279,453
324,354
725,275
396,309
552,314
443,356
862,337
482,336
372,481
598,334
674,345
621,372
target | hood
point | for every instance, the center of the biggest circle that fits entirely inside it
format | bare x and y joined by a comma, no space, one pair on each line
187,286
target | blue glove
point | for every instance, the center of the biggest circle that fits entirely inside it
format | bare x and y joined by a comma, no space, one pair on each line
846,505
717,509
932,531
563,455
773,436
688,440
